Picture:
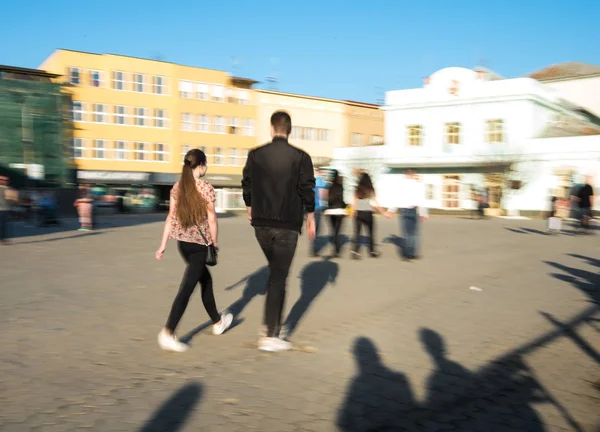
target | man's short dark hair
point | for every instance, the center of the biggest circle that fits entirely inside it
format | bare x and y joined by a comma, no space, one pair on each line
281,122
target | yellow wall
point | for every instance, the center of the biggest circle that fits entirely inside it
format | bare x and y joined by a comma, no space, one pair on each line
172,134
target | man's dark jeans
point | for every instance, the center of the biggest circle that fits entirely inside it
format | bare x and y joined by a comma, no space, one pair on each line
279,246
410,227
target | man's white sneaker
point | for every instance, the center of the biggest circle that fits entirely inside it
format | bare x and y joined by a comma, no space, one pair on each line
272,344
170,343
226,320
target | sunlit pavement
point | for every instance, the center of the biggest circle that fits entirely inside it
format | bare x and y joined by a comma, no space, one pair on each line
497,327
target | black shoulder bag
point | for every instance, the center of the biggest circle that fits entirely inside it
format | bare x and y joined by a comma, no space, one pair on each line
211,255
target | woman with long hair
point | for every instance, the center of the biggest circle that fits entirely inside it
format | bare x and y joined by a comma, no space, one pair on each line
192,221
364,204
336,210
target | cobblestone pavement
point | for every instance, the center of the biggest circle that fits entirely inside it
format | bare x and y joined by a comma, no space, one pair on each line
496,328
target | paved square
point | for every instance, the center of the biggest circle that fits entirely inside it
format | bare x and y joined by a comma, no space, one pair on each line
496,328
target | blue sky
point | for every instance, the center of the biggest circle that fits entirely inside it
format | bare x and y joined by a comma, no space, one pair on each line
332,48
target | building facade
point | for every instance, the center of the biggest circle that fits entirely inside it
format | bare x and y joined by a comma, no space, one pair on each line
136,118
321,125
577,82
471,130
35,127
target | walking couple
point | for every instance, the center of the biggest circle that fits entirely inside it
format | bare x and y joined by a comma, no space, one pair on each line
278,183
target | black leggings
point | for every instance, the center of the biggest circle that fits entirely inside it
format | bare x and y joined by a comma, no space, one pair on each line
363,218
336,226
194,255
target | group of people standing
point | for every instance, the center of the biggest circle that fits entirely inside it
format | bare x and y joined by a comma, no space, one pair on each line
281,194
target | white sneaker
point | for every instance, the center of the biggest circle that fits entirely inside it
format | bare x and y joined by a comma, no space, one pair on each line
171,343
272,344
226,320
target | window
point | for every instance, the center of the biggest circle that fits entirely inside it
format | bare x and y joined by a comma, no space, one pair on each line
233,129
160,118
138,81
243,97
430,191
453,133
357,140
120,115
98,113
494,131
203,124
99,150
232,157
219,124
120,150
414,135
218,93
159,85
185,89
202,91
118,80
184,149
243,155
249,127
218,156
140,114
77,148
161,153
451,191
74,75
77,111
186,122
296,132
96,78
140,151
376,139
323,135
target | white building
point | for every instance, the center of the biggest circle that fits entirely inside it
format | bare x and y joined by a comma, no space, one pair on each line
471,129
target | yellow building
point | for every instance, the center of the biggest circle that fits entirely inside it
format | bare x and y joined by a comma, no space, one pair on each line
321,124
135,118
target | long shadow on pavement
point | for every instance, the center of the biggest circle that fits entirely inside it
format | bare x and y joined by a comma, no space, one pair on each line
173,414
497,397
315,276
53,239
256,284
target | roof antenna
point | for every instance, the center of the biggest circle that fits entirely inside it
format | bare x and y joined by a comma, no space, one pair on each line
234,65
272,80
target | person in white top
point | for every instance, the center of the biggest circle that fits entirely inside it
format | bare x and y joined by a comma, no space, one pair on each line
412,211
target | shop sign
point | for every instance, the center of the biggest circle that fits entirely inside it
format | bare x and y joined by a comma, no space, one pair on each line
113,176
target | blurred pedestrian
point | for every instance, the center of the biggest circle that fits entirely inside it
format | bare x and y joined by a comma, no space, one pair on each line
584,200
412,211
364,205
192,221
321,193
8,197
84,204
336,211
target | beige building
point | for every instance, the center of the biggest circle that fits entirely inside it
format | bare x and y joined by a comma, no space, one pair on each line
320,124
365,124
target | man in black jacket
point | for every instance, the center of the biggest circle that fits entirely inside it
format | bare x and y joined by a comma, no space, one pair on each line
278,185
